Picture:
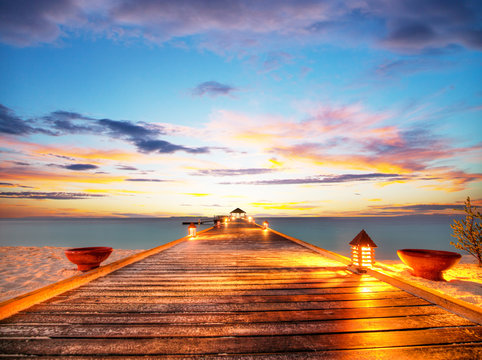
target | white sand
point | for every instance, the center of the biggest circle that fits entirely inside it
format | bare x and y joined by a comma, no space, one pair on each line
24,269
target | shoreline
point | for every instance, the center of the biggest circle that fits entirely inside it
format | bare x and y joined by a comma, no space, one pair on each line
27,268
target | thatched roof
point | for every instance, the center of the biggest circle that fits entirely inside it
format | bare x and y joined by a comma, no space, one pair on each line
362,239
238,211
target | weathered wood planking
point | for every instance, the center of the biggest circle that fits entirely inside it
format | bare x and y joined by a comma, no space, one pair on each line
238,293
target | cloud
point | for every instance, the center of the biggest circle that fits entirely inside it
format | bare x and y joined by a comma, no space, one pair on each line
414,209
233,172
6,184
213,88
418,25
409,66
34,174
422,207
68,122
48,195
239,25
165,147
296,206
330,179
80,167
27,23
143,136
13,125
128,129
127,168
146,180
351,138
134,215
276,59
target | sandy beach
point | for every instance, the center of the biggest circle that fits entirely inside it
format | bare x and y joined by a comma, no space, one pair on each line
24,269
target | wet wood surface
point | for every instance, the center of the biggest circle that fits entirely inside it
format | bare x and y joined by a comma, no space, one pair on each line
238,293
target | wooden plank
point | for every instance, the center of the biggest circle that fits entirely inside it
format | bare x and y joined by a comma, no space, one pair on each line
216,281
440,352
231,329
453,352
219,317
220,277
193,286
208,307
237,292
227,299
241,345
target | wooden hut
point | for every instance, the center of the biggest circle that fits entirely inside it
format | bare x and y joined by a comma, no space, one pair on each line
238,213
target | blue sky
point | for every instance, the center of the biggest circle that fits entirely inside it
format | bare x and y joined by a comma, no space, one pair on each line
295,108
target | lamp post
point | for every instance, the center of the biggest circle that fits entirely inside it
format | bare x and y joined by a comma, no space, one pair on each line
362,252
265,225
191,230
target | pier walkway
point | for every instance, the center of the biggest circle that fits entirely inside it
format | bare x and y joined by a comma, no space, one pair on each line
238,292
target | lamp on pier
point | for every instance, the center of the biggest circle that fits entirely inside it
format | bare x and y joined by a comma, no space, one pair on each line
250,219
218,223
362,252
265,225
191,230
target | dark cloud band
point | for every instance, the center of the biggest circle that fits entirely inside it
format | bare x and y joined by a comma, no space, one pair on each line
48,195
333,179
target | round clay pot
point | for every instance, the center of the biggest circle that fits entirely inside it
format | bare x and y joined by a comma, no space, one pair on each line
87,258
429,264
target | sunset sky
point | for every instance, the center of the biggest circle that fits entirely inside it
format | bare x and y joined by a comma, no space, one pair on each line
293,108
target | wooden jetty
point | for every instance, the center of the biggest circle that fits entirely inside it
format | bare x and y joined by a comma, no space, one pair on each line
202,221
238,292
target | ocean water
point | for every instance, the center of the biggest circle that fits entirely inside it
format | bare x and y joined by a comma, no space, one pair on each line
389,233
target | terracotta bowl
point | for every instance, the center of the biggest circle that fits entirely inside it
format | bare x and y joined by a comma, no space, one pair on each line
429,264
87,258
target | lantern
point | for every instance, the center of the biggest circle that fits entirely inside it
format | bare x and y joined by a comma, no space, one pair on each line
191,230
265,225
362,251
218,223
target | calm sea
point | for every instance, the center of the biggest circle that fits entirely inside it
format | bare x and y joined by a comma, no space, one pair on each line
389,233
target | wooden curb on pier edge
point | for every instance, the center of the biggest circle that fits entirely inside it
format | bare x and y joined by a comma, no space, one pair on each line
456,306
24,301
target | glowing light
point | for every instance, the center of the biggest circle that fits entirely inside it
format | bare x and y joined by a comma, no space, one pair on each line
362,251
265,225
191,230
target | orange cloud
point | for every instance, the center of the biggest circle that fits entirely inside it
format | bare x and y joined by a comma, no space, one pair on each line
283,206
30,175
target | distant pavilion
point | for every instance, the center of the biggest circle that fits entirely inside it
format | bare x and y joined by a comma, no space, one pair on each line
238,213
